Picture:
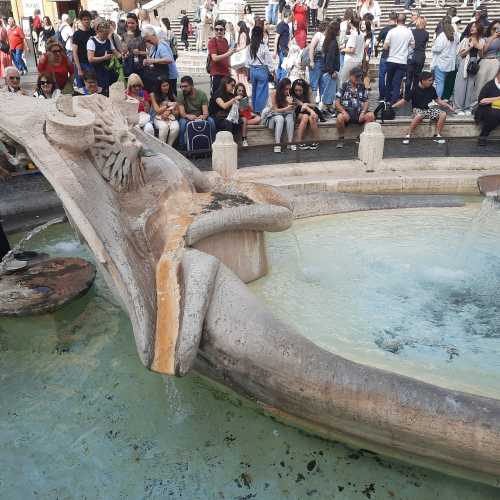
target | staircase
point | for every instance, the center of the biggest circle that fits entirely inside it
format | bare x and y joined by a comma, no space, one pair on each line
194,63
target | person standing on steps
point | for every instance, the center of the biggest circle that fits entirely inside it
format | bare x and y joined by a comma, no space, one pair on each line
220,56
422,96
398,42
382,69
18,45
79,45
185,29
416,59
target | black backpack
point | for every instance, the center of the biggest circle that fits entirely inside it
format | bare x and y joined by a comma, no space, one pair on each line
384,111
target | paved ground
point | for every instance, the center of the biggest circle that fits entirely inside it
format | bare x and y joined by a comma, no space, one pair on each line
424,148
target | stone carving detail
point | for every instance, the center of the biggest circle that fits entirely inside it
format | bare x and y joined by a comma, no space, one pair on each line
116,152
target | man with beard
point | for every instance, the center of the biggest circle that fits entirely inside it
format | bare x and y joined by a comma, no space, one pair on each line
193,105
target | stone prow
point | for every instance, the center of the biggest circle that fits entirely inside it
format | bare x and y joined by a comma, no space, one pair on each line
489,185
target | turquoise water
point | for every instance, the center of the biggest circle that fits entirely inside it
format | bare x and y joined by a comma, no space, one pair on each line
414,290
81,418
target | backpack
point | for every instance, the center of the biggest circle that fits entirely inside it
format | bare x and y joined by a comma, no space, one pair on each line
173,46
386,112
59,38
199,137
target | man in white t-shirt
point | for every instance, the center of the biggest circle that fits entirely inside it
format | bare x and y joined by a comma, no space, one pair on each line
398,43
66,34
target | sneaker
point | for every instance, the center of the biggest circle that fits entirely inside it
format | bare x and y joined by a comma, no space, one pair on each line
244,143
439,139
460,113
340,144
292,147
277,148
314,145
468,112
303,146
406,140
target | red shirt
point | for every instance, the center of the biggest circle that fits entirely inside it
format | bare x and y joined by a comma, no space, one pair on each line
219,47
62,71
16,38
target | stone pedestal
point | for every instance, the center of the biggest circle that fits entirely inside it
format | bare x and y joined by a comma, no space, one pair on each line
371,145
244,252
225,155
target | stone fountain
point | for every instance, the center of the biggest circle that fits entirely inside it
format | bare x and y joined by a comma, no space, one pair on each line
177,247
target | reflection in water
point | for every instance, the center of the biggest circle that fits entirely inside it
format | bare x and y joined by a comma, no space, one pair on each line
80,417
413,290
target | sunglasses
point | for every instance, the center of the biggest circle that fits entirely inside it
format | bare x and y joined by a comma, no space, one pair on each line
14,78
220,29
45,82
57,51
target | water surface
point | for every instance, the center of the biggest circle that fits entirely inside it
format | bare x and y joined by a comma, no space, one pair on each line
81,418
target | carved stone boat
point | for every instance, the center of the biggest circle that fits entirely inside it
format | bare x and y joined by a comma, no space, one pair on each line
177,247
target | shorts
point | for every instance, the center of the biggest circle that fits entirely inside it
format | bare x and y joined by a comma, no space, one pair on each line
431,113
353,116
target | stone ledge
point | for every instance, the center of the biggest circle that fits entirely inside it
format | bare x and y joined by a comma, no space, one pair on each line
455,127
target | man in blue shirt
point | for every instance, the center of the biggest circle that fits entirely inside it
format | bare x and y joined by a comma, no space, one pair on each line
160,61
281,41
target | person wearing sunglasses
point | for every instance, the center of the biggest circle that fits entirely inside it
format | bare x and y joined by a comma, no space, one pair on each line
13,80
219,55
55,62
46,88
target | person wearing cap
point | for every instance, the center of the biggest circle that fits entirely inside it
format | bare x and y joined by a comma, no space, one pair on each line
352,104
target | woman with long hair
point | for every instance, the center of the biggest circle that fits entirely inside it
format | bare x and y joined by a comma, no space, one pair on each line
221,105
366,29
329,79
490,56
416,59
46,33
5,59
353,51
300,22
260,62
316,59
46,87
248,17
344,31
241,73
444,54
465,91
55,63
305,113
282,112
165,111
135,46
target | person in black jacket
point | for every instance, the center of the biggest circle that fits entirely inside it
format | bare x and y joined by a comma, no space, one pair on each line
331,54
185,29
416,59
488,111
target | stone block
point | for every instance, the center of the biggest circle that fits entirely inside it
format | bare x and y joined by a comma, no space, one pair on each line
225,155
371,145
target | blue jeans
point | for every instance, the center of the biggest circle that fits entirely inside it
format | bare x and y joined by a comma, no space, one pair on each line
382,72
260,87
272,13
182,130
280,72
439,79
17,59
315,76
395,74
329,86
79,80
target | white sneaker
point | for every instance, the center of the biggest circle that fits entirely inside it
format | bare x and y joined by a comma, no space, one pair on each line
439,139
292,147
277,148
468,112
244,143
460,113
406,140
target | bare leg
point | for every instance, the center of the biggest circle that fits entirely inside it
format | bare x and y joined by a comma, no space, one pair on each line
303,121
313,122
415,123
440,123
244,127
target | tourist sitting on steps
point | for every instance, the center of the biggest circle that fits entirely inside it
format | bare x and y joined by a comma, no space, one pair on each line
488,110
352,104
282,111
193,105
13,81
421,97
165,112
306,113
135,91
46,87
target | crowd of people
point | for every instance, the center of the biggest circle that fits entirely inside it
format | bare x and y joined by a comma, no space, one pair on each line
292,85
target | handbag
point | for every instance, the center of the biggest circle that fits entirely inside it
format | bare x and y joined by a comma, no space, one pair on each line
270,74
473,66
238,59
386,112
234,113
4,47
